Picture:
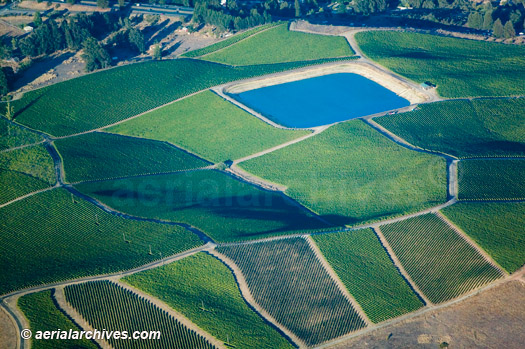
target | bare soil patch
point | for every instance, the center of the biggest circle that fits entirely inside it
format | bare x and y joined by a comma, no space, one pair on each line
55,68
8,331
42,6
10,29
492,319
308,27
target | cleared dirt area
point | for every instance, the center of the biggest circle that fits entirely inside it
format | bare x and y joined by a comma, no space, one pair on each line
43,6
492,319
8,332
57,67
9,29
367,70
308,27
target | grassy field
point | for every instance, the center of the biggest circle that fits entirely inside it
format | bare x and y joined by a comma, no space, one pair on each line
287,280
278,45
224,208
441,263
25,170
491,179
351,174
102,155
48,238
106,305
462,128
209,126
109,96
14,136
368,273
459,67
499,228
43,315
210,298
229,41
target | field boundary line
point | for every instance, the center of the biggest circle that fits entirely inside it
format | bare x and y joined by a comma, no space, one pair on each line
210,167
516,200
333,275
170,144
316,131
130,118
60,298
37,288
421,311
156,302
263,185
28,195
464,236
400,267
202,235
452,176
402,142
248,298
21,147
242,175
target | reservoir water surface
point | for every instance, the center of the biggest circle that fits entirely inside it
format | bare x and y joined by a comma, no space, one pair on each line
321,100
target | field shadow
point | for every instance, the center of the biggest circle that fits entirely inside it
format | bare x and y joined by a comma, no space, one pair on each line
27,106
261,207
164,32
37,70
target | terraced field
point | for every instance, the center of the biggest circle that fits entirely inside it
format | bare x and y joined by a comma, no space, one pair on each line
106,305
491,127
441,263
53,236
499,228
12,136
210,298
278,45
288,281
223,207
368,273
209,126
102,156
491,179
109,96
459,67
25,170
42,313
351,174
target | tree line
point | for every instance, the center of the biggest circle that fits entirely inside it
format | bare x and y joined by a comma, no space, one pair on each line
80,31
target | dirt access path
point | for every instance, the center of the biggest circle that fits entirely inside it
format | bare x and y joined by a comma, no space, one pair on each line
175,314
60,298
492,319
400,267
328,268
472,243
247,295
